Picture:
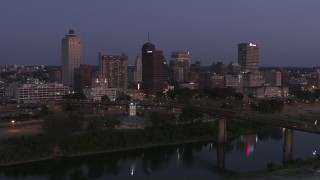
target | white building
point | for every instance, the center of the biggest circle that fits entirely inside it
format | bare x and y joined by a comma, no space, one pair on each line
33,93
267,91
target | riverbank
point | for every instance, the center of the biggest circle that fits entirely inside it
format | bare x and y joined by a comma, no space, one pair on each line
107,151
19,150
75,145
291,170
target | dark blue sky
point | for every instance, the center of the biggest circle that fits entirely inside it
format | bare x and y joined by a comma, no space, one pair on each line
288,31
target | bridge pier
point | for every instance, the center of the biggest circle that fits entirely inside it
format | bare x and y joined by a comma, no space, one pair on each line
222,132
221,155
288,145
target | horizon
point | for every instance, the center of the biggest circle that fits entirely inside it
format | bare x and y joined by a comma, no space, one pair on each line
286,31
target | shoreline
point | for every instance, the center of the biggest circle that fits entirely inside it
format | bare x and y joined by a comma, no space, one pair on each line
104,151
194,140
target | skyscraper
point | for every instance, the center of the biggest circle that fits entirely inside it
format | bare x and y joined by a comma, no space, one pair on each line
248,56
154,69
138,70
114,69
194,74
179,66
71,57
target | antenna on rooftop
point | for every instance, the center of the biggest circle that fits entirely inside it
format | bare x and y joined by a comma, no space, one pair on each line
148,37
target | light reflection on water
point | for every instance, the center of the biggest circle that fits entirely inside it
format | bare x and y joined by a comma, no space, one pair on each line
188,161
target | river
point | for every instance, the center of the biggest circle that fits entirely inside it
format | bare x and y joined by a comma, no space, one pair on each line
188,161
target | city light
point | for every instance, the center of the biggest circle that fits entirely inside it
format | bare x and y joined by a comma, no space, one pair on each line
13,122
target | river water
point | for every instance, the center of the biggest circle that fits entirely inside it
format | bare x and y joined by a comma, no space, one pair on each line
187,161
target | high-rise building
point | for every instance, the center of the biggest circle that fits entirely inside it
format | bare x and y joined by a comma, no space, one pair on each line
114,69
71,57
194,74
179,66
154,69
248,56
82,77
138,70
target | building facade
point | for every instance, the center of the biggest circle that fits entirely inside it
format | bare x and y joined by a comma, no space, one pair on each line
82,77
154,69
114,69
71,57
194,74
273,78
34,93
253,79
138,70
248,56
179,66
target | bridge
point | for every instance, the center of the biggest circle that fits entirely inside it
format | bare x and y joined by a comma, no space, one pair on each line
249,116
223,114
219,112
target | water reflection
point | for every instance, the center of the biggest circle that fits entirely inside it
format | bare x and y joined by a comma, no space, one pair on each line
206,159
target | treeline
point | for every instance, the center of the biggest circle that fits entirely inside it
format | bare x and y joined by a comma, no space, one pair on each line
183,95
45,145
68,123
268,106
308,95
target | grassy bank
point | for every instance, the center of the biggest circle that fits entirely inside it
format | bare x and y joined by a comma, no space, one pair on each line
289,169
43,146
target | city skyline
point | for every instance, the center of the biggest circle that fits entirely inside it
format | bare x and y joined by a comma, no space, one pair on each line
286,31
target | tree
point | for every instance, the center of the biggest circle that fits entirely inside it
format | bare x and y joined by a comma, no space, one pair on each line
191,114
105,98
62,123
159,95
316,93
44,110
157,119
95,124
171,94
74,122
75,96
305,95
264,106
184,95
238,96
110,122
123,97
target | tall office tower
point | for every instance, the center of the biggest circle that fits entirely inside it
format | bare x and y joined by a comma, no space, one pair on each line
82,77
138,70
154,69
248,56
179,66
114,70
194,74
71,57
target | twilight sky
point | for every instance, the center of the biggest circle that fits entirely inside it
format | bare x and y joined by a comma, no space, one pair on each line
288,31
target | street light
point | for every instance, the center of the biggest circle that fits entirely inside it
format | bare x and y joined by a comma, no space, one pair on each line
12,124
